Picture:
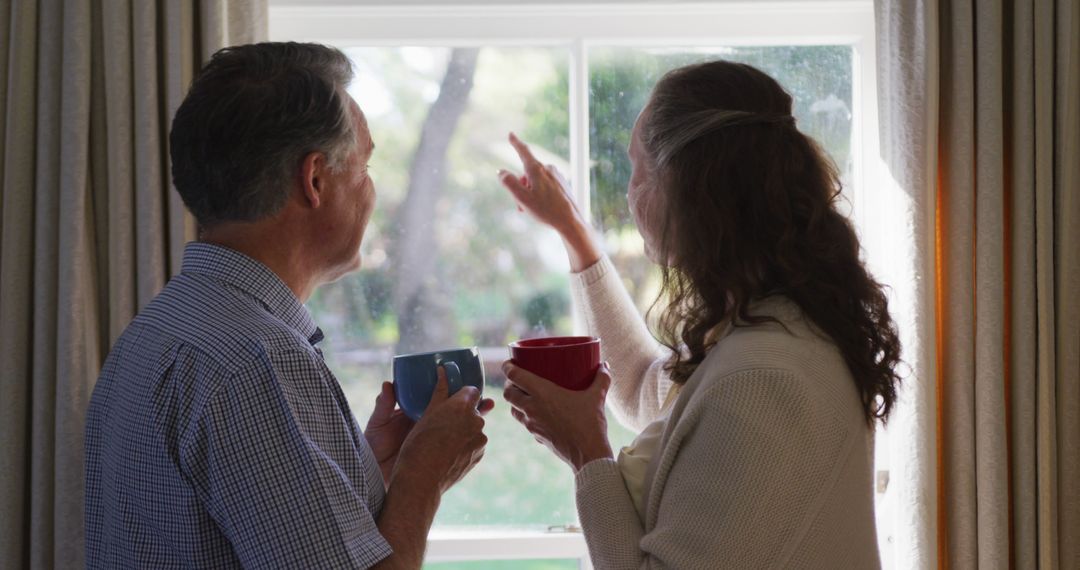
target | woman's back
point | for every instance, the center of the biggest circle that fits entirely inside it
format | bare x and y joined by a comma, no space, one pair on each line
766,461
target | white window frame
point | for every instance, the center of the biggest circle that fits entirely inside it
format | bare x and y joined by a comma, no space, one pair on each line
578,27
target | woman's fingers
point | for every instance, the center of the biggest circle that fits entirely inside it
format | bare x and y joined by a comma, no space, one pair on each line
543,191
602,380
531,427
527,381
513,183
514,395
518,189
558,175
532,166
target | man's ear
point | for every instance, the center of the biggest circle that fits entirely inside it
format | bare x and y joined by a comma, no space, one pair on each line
313,171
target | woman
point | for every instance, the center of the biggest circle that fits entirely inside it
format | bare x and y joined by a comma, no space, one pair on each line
756,444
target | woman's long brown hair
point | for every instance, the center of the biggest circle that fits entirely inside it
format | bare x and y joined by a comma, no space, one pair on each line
751,207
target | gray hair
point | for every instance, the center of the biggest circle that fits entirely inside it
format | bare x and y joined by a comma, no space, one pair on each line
251,116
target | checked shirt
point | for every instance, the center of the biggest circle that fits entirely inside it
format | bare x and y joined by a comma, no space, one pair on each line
218,438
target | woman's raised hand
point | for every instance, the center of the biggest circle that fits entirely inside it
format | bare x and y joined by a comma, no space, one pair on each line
542,191
545,193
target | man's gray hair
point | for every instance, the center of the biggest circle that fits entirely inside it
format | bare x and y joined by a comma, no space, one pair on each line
251,116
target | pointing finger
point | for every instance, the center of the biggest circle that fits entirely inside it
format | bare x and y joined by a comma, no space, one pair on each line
532,166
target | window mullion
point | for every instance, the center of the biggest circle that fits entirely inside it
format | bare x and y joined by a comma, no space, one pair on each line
579,141
579,124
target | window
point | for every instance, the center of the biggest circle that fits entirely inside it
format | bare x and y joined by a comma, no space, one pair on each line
447,259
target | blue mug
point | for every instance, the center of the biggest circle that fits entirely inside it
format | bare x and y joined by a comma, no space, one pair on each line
415,376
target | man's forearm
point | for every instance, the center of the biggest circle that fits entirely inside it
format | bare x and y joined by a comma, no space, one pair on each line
406,517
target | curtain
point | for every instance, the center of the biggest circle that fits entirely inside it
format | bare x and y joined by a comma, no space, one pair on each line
91,229
980,125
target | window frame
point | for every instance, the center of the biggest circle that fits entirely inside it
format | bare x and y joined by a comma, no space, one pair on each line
579,27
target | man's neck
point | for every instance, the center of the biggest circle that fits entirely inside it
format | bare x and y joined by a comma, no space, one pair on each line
271,247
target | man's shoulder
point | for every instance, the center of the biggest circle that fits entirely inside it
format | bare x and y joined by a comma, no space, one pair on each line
225,325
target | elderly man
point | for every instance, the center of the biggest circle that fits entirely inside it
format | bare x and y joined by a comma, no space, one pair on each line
217,436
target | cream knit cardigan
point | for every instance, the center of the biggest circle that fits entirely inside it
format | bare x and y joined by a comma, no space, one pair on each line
765,461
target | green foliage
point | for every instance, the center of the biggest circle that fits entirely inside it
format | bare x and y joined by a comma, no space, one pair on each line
819,79
359,305
543,309
547,116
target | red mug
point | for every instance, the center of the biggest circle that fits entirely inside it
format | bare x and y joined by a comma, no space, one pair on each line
569,361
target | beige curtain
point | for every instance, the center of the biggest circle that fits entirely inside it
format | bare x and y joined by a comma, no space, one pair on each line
980,116
90,227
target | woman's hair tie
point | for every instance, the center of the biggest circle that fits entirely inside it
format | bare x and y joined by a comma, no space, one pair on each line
720,118
691,126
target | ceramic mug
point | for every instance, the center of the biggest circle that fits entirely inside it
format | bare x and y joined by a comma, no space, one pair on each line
415,376
569,361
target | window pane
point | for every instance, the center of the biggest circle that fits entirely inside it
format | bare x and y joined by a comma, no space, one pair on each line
819,78
448,259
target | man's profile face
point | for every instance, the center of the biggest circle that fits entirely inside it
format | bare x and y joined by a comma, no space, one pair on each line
352,200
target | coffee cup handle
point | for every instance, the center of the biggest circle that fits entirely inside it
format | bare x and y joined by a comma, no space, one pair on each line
453,375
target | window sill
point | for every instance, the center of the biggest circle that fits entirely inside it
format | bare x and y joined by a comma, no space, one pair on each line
500,543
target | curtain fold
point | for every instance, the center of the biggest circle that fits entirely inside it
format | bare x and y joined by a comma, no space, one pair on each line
985,137
91,226
1068,265
1021,331
908,103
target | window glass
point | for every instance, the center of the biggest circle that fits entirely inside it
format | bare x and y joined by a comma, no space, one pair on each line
448,260
819,78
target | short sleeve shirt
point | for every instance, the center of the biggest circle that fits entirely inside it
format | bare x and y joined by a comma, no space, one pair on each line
218,438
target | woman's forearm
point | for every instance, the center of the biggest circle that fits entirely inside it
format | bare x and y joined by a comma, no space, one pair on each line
635,357
582,246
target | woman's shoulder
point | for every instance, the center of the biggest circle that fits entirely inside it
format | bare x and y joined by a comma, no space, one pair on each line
788,353
787,340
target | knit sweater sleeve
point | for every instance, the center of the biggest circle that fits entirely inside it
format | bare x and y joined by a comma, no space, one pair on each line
745,471
639,383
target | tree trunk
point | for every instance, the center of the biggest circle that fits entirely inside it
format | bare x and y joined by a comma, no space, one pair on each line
425,319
